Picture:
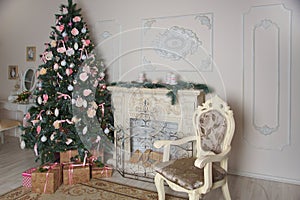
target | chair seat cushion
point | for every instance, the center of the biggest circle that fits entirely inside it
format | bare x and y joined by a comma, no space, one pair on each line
183,172
6,124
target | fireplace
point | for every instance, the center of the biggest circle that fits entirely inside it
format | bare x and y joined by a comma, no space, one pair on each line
142,116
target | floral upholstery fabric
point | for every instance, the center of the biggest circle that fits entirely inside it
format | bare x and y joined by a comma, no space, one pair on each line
213,128
184,173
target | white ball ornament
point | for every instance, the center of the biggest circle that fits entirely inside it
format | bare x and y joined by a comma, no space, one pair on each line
70,88
102,74
44,138
56,112
106,131
63,63
72,65
83,30
83,57
64,34
39,100
22,145
76,46
84,130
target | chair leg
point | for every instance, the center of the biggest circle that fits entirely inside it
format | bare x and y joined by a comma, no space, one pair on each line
225,191
159,183
194,196
2,137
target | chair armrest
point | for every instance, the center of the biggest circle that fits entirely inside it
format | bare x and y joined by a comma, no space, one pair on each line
211,157
161,143
166,144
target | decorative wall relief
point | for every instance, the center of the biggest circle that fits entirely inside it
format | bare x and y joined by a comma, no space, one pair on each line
183,43
176,43
267,65
108,45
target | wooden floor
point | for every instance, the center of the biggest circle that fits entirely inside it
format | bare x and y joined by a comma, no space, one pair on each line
13,161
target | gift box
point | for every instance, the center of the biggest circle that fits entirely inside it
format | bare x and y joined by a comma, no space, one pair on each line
101,172
27,177
65,156
47,179
74,173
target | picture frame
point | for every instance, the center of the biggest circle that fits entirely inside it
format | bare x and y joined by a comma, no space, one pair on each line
13,72
30,53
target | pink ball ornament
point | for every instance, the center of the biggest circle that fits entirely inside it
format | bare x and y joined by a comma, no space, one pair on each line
74,31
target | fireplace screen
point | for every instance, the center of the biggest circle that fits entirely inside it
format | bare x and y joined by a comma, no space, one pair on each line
136,155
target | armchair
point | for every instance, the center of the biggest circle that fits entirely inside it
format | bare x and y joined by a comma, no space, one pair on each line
214,128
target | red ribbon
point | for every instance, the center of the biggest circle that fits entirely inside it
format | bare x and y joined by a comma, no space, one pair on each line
65,96
60,76
43,57
105,168
85,51
102,108
71,167
49,168
40,115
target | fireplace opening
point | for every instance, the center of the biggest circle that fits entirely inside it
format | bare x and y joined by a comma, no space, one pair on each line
136,154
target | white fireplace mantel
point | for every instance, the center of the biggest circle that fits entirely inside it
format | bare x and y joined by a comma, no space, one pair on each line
150,105
153,104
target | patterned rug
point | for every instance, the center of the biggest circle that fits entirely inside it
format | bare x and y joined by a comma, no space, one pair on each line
99,189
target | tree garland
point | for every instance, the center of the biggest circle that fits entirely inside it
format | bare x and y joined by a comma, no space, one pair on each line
181,85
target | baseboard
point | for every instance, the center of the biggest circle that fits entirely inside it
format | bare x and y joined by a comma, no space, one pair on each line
264,177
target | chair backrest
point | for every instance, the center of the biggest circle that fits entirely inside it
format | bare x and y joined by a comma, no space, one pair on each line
214,125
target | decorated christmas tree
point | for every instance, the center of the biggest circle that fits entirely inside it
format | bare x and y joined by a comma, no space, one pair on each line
72,108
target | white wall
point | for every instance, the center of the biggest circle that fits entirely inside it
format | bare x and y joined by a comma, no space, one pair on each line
27,23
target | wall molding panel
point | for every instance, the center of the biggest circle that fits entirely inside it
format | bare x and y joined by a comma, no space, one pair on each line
266,76
108,45
184,42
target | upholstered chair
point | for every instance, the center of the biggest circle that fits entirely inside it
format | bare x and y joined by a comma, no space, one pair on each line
6,124
214,128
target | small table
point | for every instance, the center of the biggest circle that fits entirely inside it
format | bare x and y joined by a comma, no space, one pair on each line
17,107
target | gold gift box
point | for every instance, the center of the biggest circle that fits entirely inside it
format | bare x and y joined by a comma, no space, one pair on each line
47,181
101,172
76,173
65,156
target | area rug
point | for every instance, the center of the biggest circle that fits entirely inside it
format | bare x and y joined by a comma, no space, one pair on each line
99,189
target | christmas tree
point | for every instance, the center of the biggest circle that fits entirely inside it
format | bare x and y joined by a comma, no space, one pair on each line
72,103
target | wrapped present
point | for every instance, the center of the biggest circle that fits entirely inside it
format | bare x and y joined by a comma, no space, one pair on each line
101,172
47,178
66,156
27,177
98,154
74,173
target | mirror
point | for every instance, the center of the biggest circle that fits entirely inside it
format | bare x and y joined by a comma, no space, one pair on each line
28,80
